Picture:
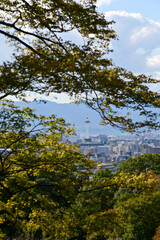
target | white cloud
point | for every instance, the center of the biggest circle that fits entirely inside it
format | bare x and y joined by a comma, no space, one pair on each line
138,48
103,2
153,62
143,32
123,14
54,97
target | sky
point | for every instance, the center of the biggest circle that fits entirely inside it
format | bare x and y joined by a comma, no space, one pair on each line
137,24
148,8
138,27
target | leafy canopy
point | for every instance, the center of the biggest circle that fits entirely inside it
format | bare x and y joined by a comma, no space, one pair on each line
39,174
142,163
46,59
124,206
46,193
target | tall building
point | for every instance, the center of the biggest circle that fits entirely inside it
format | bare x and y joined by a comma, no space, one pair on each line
87,129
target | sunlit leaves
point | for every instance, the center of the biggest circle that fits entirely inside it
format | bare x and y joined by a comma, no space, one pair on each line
47,59
47,189
39,174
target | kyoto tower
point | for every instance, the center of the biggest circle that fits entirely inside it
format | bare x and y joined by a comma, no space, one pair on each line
87,129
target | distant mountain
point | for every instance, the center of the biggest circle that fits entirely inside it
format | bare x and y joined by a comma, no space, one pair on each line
72,113
76,115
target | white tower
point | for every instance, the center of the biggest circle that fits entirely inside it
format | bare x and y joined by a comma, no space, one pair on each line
87,129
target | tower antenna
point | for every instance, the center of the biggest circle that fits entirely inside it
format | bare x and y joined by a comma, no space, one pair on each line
87,129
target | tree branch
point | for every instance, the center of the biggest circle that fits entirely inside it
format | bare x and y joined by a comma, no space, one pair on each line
19,40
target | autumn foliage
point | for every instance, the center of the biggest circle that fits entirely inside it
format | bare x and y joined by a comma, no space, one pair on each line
48,188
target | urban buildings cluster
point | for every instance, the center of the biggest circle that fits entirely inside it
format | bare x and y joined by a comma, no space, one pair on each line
109,150
116,148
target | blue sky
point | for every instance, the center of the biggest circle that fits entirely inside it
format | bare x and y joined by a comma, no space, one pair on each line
138,27
148,8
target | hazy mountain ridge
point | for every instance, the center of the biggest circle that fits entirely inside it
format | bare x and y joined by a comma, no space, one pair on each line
72,113
76,114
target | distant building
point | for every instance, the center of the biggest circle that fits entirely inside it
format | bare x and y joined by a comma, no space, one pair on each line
150,149
87,139
112,149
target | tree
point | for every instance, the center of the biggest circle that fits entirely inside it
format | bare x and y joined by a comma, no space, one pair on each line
141,163
44,188
102,174
138,217
39,175
103,211
45,60
157,235
45,191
